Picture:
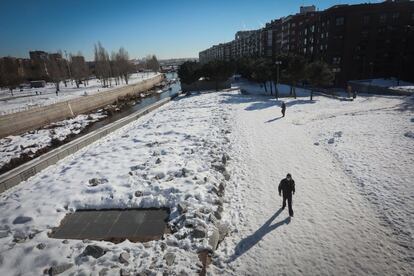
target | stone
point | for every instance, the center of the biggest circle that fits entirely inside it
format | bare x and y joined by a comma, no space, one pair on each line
22,220
145,272
160,175
331,141
65,241
198,233
94,251
158,161
103,272
217,214
41,246
223,231
124,272
19,237
226,175
138,194
218,167
124,257
214,238
182,207
316,143
3,234
58,269
97,181
169,258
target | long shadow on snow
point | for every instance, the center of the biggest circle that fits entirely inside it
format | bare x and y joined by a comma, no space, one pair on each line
248,242
260,102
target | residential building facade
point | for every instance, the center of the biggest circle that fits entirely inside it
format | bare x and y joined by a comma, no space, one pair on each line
358,41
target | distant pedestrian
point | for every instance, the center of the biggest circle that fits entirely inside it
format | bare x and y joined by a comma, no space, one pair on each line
283,109
287,188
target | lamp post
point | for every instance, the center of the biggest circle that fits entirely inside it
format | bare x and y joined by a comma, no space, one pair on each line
278,62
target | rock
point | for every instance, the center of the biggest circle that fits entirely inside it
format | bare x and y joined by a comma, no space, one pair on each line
41,246
94,251
124,272
214,238
158,161
225,158
160,175
58,269
218,167
124,257
138,193
182,207
22,220
223,231
316,143
97,181
145,272
185,172
3,234
221,187
103,272
331,141
65,241
169,258
19,237
409,134
217,214
226,175
198,233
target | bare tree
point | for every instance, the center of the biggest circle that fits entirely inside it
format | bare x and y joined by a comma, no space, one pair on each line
55,69
9,73
115,68
152,63
124,65
79,69
102,64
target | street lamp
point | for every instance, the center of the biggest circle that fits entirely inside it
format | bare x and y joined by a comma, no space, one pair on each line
278,62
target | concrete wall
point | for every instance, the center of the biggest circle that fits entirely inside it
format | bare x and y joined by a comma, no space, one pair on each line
360,87
16,123
205,85
25,171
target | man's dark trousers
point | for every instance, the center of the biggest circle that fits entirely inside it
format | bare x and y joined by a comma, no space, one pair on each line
289,200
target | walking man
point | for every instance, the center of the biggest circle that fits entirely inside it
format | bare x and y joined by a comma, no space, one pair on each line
283,109
287,188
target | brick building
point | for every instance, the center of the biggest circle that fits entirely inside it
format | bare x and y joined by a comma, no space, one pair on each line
358,41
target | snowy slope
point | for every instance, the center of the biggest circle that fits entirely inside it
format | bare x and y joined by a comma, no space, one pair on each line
160,160
352,162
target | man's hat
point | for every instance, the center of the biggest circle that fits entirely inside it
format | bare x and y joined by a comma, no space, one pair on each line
288,175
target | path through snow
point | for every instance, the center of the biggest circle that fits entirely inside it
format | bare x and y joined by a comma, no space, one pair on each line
337,230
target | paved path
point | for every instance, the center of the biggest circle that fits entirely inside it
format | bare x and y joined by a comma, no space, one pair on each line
334,231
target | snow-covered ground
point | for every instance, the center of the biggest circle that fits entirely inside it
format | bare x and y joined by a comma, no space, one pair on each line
164,158
31,142
26,99
351,160
353,167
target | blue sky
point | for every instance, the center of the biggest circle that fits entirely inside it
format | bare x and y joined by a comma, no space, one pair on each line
168,29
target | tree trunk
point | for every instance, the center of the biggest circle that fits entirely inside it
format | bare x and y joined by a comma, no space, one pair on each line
57,86
265,87
271,88
77,83
311,95
294,92
291,90
126,79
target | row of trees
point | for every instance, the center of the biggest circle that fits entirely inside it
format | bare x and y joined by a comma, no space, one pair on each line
288,69
115,67
216,71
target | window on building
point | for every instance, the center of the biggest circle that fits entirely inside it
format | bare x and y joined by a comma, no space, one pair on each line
336,60
366,19
395,15
305,41
311,49
340,21
383,18
313,28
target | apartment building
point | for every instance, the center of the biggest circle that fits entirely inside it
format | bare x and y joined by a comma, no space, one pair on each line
358,41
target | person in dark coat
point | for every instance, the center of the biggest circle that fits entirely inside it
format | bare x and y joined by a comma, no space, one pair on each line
283,109
287,188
